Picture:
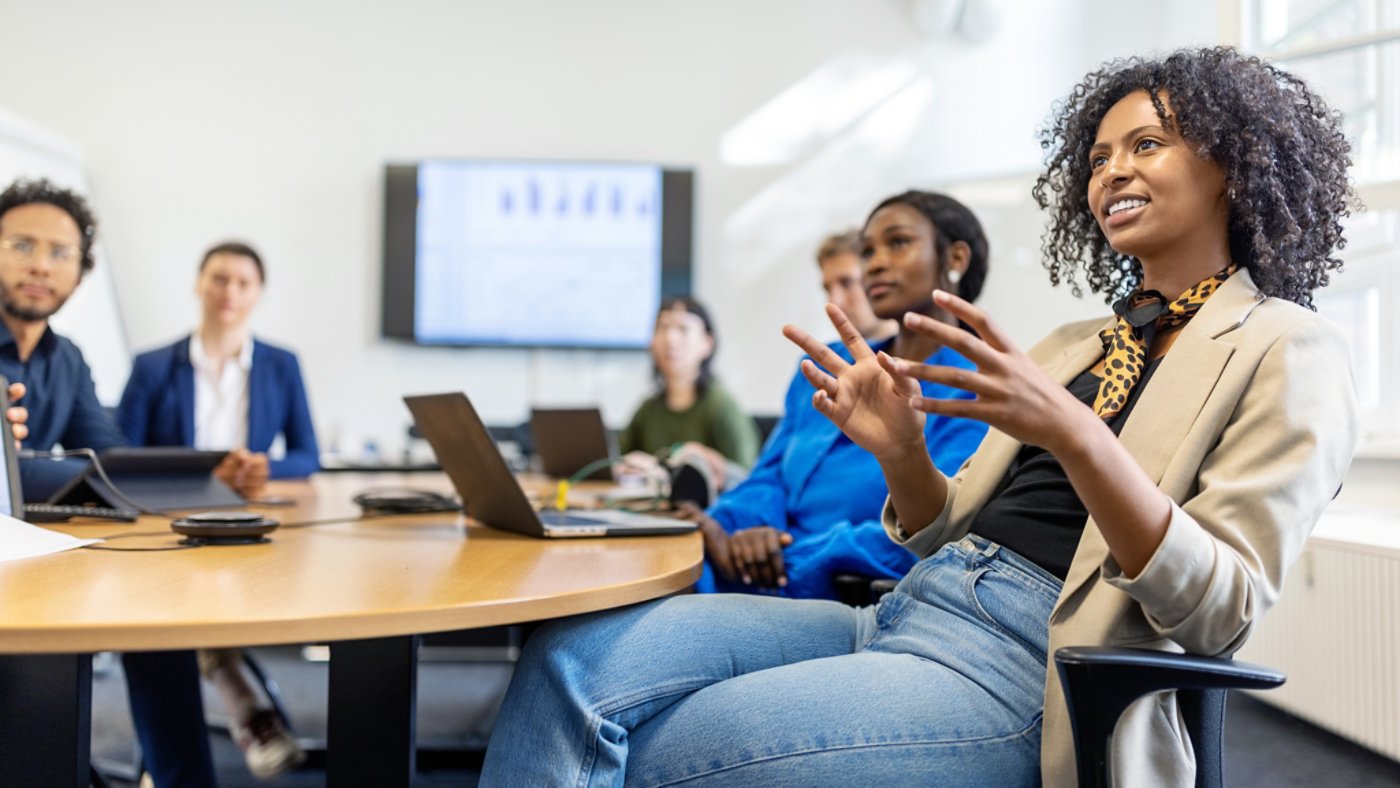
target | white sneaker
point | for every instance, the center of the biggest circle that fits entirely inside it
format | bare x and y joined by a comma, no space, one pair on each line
268,748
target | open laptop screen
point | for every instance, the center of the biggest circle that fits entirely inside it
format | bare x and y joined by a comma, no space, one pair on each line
11,500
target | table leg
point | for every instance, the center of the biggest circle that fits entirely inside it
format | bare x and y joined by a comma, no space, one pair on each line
371,712
46,719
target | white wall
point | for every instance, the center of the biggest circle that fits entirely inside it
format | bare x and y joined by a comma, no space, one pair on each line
91,317
271,121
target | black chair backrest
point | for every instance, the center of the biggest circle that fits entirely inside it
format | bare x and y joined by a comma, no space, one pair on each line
765,426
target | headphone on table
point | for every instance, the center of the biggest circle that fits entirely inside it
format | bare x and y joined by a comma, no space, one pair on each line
404,500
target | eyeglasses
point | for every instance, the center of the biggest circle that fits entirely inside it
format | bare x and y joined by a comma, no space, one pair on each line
24,250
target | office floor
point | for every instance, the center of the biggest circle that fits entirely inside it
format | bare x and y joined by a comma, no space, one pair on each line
457,703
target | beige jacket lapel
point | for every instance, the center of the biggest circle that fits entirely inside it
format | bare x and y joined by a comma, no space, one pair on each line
1169,406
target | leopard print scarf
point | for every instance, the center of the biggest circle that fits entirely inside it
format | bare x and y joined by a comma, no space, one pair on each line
1140,316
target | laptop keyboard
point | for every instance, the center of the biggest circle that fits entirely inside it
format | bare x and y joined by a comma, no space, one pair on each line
562,518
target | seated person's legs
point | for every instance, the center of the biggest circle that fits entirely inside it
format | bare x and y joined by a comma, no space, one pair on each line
949,691
945,677
268,747
168,714
583,683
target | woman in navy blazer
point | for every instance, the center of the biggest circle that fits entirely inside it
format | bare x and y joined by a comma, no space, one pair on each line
158,408
221,389
159,405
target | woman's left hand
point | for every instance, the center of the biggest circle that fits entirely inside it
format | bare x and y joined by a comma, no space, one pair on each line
246,472
1014,394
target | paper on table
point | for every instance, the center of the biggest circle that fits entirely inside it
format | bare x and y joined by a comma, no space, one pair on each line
19,539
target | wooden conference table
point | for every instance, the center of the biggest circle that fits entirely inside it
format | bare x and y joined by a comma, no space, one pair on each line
368,587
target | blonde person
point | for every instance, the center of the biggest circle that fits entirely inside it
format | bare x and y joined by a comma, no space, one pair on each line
843,279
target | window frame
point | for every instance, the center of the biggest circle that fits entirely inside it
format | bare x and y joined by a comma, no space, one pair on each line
1366,266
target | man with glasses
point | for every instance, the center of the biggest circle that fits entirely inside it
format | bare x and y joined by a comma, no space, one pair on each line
45,249
46,236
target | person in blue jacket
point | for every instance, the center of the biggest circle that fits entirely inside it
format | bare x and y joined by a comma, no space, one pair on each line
221,389
810,510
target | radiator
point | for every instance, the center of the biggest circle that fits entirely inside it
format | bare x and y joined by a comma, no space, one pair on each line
1336,632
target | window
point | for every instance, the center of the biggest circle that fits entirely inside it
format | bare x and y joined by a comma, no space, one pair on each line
1349,51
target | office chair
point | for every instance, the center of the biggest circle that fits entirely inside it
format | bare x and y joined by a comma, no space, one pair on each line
861,590
1101,681
765,426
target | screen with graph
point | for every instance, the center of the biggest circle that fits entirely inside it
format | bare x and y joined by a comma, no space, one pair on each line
544,254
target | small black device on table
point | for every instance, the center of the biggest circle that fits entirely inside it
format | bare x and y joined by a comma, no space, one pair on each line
224,528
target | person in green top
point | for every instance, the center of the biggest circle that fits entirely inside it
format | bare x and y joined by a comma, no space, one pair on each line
691,413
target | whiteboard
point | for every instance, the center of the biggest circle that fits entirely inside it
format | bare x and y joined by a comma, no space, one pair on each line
91,318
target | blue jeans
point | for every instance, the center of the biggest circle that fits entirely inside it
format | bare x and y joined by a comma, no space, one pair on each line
943,681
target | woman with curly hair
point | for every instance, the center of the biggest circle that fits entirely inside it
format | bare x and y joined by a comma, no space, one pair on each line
1147,481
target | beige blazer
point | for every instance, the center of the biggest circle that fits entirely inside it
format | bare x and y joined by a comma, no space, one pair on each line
1248,426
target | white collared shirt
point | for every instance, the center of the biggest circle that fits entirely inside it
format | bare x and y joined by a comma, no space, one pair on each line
220,398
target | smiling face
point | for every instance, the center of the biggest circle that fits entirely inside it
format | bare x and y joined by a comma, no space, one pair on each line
901,261
40,260
1152,194
229,286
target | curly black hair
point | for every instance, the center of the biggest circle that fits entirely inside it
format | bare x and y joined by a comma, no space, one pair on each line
27,192
1282,149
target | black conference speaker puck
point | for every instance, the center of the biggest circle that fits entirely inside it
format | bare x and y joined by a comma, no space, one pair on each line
215,528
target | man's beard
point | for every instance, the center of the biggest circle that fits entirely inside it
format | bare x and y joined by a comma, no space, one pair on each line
27,314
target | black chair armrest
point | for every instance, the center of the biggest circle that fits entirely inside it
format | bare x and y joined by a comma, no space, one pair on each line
1100,682
852,589
861,590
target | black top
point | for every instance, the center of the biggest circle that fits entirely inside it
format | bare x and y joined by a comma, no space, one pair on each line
1035,511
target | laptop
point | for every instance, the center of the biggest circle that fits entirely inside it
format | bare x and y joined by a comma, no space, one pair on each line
489,491
567,439
160,478
11,497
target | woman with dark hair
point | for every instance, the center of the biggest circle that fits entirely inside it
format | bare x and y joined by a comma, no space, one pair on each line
1148,480
810,510
690,413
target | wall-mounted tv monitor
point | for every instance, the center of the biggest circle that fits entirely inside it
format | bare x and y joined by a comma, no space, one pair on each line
533,253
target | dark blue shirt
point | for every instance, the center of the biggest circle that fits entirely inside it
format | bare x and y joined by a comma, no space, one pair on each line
62,402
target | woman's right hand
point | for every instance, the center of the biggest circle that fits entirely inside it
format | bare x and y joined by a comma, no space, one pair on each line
864,399
640,465
757,555
717,547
